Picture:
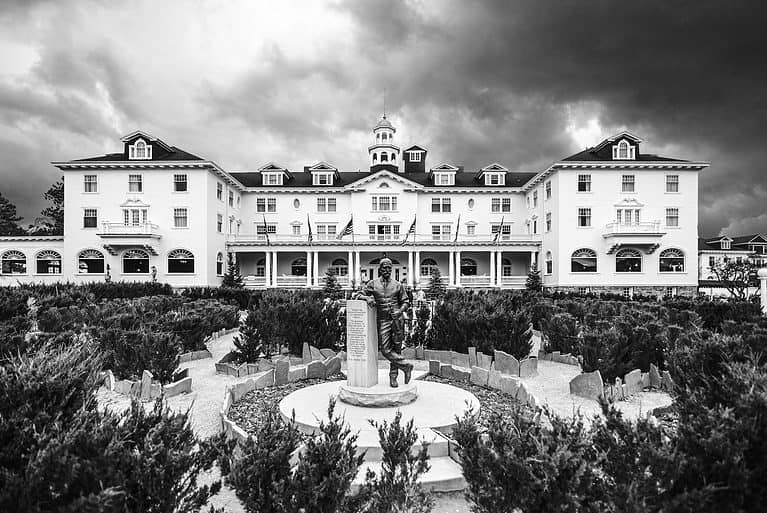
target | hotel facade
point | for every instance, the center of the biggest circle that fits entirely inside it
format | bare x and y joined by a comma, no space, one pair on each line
609,218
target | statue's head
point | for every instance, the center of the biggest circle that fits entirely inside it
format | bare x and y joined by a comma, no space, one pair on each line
384,268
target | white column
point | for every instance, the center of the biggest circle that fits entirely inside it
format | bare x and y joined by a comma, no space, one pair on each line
274,268
410,271
308,268
358,269
499,267
316,261
458,268
350,269
492,269
450,268
268,269
532,259
417,271
762,274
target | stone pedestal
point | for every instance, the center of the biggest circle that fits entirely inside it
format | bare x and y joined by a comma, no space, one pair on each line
378,396
361,344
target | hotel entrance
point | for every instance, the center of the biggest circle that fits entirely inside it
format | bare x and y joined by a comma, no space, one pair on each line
369,271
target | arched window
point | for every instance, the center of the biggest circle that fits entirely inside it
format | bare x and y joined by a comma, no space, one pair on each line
48,262
623,150
340,267
298,267
428,265
384,157
261,268
14,262
468,267
135,261
375,157
583,261
219,264
384,136
671,261
393,157
90,261
505,267
549,263
180,261
378,137
628,261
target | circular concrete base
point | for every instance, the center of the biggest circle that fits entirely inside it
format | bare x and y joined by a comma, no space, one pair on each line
437,407
378,396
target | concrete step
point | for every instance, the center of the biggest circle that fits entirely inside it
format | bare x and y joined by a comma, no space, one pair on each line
444,475
367,441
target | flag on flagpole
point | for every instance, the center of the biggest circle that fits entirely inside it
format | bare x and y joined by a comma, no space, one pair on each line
348,229
409,231
498,233
309,224
457,229
266,232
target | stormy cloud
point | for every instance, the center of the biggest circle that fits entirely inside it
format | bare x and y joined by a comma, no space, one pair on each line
523,83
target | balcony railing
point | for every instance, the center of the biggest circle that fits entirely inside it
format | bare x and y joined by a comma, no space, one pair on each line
279,238
291,281
475,281
129,230
645,228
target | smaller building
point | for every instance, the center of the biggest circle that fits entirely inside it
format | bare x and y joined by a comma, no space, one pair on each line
714,251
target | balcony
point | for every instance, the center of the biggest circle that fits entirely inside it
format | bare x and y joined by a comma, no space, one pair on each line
122,230
638,235
365,239
638,229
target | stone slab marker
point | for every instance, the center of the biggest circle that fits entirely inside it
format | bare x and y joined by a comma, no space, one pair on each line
361,344
146,385
332,366
633,382
655,379
281,370
588,385
506,363
472,356
306,353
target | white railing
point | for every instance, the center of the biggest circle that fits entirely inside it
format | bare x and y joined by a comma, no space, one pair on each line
291,281
628,228
475,281
254,281
488,238
510,281
128,229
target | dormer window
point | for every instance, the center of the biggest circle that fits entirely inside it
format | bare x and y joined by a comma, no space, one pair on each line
444,179
272,178
415,156
726,244
624,151
140,150
495,179
322,178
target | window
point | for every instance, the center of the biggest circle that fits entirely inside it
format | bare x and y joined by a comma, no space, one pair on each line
180,218
506,269
322,179
624,151
670,292
298,267
549,263
505,232
231,224
471,229
231,198
444,179
627,216
711,262
272,178
500,205
326,231
90,218
627,183
296,229
726,244
135,184
584,183
440,231
261,267
628,261
267,204
340,267
672,217
672,183
219,191
535,199
219,223
179,183
135,261
383,231
48,262
628,292
548,189
468,267
14,262
180,261
383,203
134,216
415,156
440,205
535,226
548,222
470,203
262,231
219,264
140,151
90,183
583,261
495,179
384,156
584,217
90,261
326,204
671,261
428,266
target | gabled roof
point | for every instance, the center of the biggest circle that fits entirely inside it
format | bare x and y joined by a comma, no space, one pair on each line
144,135
495,166
415,148
446,167
756,238
386,173
602,151
617,137
321,166
713,244
172,155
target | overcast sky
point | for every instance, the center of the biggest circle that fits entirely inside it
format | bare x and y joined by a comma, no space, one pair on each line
523,83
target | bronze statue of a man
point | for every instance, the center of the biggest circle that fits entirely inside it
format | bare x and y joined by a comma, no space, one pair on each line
391,302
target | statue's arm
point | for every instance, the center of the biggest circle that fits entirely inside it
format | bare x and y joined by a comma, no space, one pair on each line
367,293
403,300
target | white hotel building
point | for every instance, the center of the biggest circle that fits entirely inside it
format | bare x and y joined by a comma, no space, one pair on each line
607,218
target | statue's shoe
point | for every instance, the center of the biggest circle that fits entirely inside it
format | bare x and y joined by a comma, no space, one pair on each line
408,370
393,381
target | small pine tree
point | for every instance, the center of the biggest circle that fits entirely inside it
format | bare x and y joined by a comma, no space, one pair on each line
55,212
534,282
9,219
436,288
232,278
249,341
332,289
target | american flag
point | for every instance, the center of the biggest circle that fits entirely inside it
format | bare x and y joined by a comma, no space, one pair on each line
498,233
266,232
410,230
457,229
309,224
348,229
